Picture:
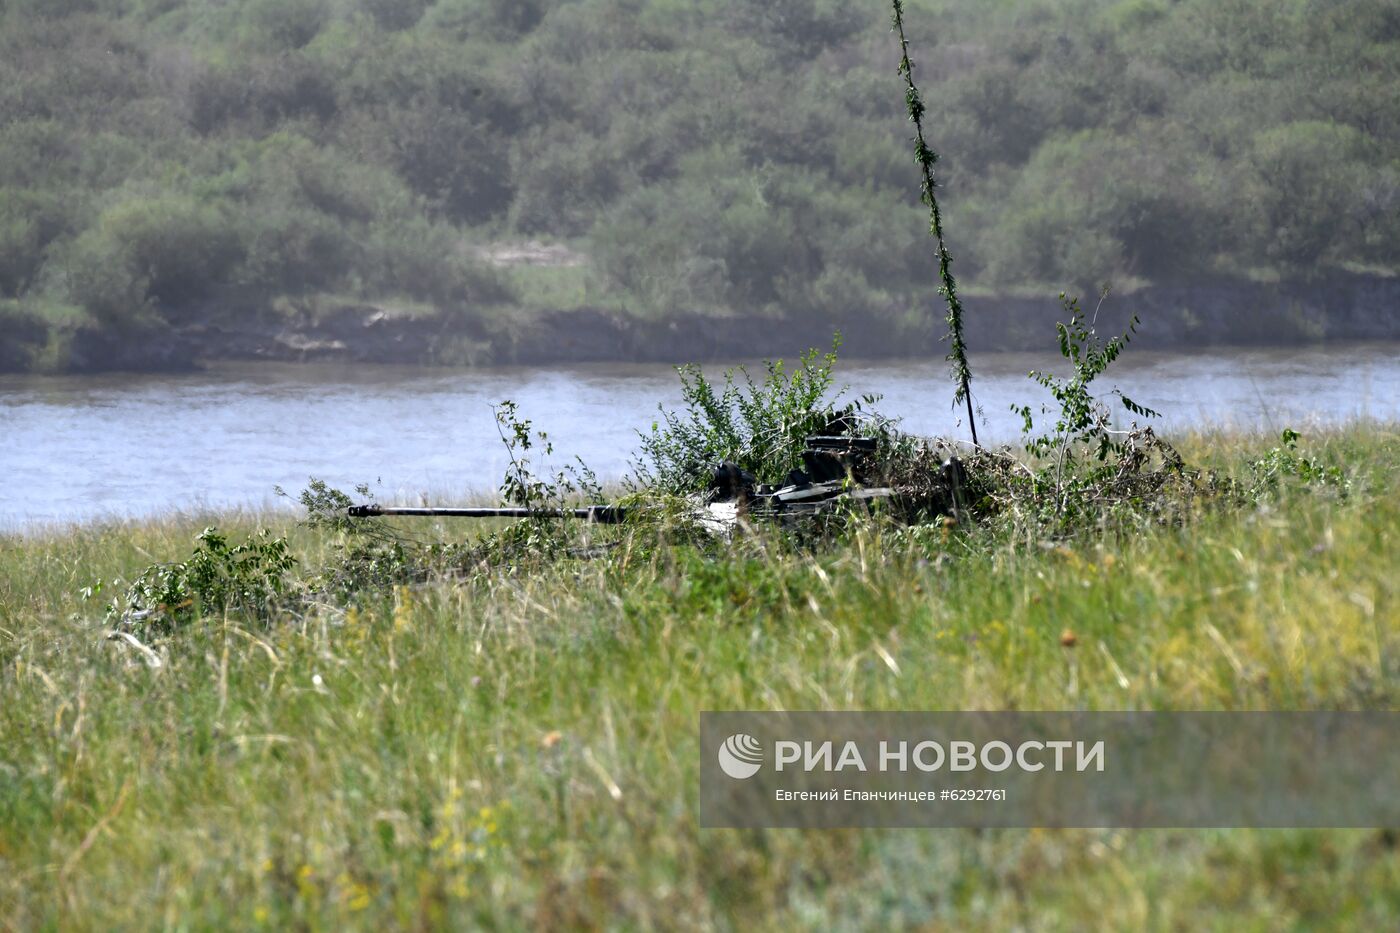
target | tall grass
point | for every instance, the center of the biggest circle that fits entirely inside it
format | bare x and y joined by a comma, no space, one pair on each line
519,748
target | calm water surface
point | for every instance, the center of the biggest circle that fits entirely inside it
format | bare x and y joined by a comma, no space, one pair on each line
79,448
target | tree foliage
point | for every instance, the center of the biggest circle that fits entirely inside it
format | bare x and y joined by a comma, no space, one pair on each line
719,155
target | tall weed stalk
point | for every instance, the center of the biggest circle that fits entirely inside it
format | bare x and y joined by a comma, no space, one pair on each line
948,287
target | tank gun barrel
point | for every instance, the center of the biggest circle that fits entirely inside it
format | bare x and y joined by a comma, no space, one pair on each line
598,514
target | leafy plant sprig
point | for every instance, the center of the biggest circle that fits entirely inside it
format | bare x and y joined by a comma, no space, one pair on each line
1083,423
1285,462
523,486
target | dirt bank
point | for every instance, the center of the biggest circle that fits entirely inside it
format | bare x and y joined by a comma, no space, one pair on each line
1352,307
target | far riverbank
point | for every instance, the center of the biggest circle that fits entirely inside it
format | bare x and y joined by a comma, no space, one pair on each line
242,328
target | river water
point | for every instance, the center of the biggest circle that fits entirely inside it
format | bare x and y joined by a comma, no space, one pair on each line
95,447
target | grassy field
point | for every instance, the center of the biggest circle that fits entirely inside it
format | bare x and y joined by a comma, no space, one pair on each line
518,749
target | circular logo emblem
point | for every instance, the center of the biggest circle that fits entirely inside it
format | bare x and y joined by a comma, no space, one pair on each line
740,756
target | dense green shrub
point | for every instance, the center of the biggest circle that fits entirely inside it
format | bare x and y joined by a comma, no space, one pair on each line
564,180
760,425
37,153
1096,207
394,14
493,19
30,220
450,158
284,24
1305,202
421,259
799,29
294,248
93,273
178,245
256,95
